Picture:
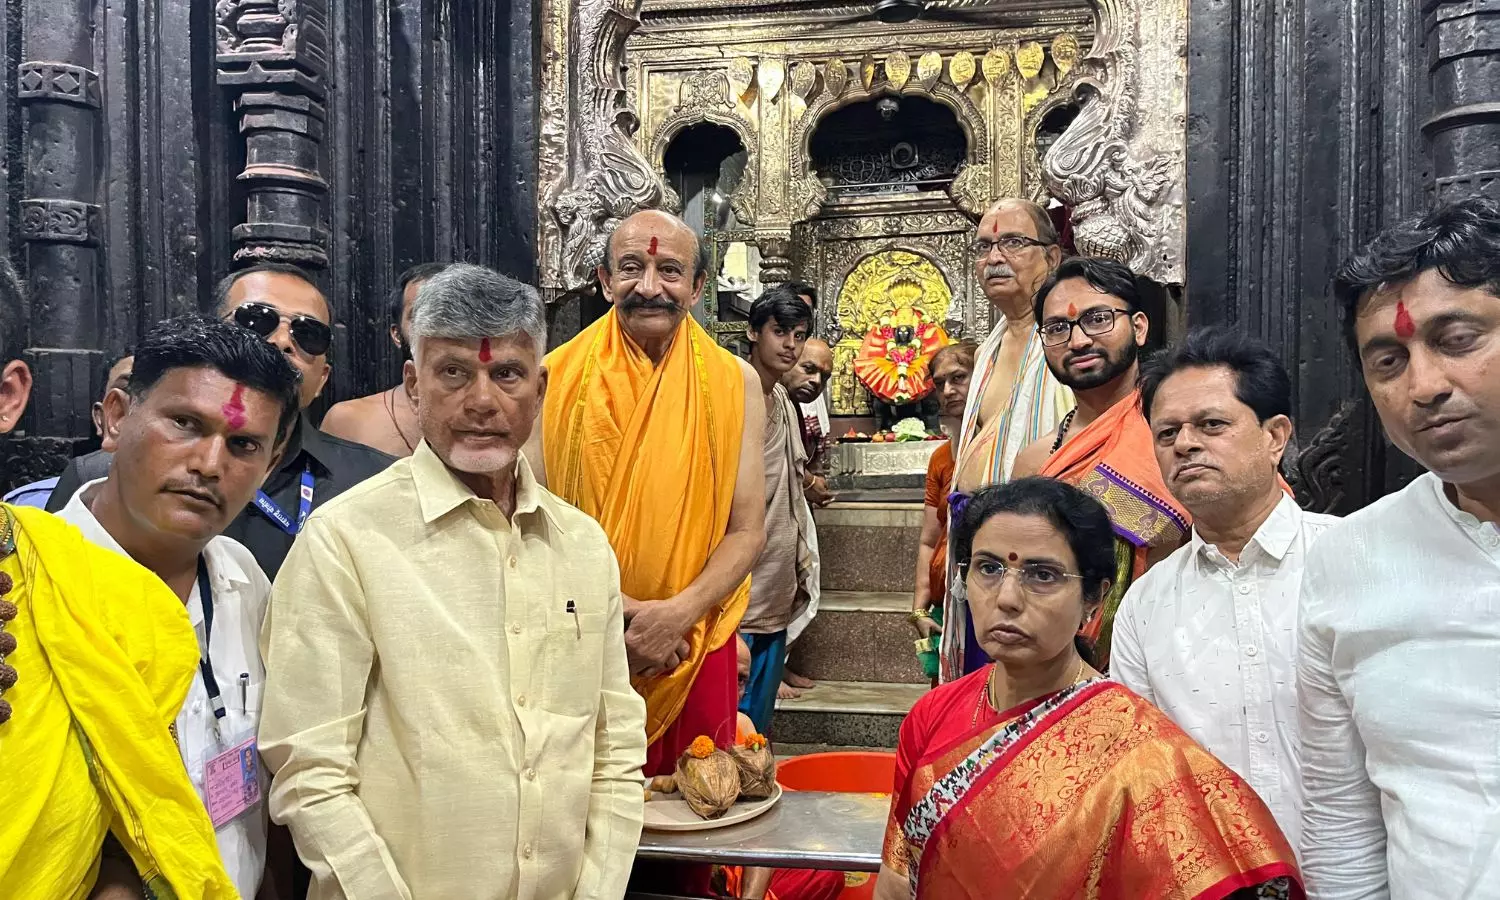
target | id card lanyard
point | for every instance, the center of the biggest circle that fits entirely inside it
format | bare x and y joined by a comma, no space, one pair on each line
210,683
304,505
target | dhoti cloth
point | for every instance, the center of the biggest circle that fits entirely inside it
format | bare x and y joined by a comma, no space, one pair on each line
652,452
1037,403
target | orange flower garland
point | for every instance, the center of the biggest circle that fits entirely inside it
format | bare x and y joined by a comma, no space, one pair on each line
893,360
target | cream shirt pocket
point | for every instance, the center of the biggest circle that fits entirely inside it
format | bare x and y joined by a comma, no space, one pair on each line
572,656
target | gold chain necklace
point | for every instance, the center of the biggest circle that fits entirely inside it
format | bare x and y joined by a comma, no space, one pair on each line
987,696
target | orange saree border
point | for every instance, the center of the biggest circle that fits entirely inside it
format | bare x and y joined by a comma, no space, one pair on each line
1100,796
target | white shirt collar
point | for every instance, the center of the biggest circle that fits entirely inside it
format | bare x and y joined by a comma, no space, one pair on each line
223,568
1465,520
1274,536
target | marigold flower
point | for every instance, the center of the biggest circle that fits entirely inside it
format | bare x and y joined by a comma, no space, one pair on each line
703,747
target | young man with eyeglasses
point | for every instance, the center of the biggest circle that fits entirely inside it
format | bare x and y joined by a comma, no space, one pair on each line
282,305
1092,330
1014,399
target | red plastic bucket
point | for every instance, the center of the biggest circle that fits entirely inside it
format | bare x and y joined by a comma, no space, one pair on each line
866,772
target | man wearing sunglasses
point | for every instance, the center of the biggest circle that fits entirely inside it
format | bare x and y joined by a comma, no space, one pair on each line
281,304
1092,330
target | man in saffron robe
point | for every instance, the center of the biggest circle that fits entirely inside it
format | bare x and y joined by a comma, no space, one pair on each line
1014,398
655,431
1092,329
96,656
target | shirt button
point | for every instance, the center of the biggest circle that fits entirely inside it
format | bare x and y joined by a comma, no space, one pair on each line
1251,651
1262,737
520,699
515,628
512,562
1244,589
526,851
530,774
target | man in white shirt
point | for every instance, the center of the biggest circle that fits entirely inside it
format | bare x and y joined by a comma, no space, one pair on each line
1399,659
194,433
1209,633
448,709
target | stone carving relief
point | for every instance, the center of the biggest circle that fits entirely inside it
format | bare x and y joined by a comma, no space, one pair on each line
274,53
59,81
593,175
60,221
1120,164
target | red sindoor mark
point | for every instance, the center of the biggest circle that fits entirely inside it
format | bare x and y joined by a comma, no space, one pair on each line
484,350
234,410
652,249
1405,327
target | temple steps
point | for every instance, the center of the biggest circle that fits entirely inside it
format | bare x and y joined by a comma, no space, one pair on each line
846,714
860,636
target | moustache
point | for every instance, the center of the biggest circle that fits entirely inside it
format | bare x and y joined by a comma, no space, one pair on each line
998,270
198,488
635,301
1092,351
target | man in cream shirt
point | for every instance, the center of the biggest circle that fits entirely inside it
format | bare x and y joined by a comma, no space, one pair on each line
448,710
1209,633
194,433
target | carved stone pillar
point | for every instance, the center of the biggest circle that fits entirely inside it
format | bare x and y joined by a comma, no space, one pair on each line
1463,46
277,54
59,214
775,259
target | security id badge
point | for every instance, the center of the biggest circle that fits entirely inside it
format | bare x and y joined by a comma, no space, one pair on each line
231,782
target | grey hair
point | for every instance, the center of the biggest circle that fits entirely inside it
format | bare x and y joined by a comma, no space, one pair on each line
468,302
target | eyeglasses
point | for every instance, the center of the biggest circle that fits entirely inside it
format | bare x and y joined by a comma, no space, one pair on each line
1011,243
988,575
312,336
1095,322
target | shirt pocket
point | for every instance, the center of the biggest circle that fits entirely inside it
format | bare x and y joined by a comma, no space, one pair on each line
573,650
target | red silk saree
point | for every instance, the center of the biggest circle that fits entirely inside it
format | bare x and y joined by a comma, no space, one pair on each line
1088,793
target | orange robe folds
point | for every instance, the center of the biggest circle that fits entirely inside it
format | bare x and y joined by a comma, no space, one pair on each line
652,453
1113,459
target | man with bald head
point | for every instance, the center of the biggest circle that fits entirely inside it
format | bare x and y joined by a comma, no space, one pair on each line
1014,399
806,383
655,431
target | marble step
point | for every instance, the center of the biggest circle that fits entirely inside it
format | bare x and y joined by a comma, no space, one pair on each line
869,546
859,636
846,714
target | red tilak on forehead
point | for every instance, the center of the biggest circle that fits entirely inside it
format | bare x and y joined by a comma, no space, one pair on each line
1072,311
234,410
484,350
1405,327
1014,557
652,249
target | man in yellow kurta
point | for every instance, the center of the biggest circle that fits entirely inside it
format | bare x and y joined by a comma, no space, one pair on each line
96,656
654,430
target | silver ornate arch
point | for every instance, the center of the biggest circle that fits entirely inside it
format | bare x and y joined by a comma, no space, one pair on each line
1120,165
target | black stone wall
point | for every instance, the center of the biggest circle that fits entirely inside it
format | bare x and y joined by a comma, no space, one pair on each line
151,146
1311,125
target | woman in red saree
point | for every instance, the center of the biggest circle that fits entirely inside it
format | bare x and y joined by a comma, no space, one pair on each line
1035,778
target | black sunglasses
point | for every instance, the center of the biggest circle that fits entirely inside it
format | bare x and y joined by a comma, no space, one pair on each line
312,336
